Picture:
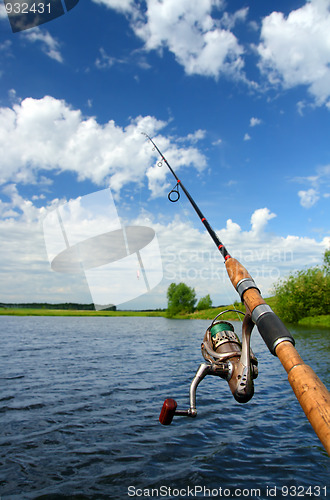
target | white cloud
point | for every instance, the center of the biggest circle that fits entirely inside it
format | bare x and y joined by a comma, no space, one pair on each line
181,156
191,256
259,220
50,45
308,198
255,121
188,255
295,50
104,61
119,5
3,12
195,137
229,21
247,137
202,44
188,30
317,182
63,140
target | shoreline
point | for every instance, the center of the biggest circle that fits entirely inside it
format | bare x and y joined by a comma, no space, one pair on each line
208,314
22,311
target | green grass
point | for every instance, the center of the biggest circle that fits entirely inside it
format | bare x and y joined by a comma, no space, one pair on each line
211,313
316,321
208,314
71,312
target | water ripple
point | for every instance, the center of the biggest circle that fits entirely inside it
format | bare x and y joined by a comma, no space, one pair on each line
80,415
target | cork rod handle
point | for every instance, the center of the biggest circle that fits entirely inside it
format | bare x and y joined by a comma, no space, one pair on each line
311,393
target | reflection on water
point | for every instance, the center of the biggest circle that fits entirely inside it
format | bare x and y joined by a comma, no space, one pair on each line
79,405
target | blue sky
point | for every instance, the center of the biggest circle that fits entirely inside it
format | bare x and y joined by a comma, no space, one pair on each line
236,94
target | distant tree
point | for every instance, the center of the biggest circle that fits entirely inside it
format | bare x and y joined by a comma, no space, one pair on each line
181,298
326,262
204,303
238,305
304,293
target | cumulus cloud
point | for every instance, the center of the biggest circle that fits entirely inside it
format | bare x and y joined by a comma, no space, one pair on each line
308,198
188,255
38,135
191,256
259,220
198,41
295,50
202,44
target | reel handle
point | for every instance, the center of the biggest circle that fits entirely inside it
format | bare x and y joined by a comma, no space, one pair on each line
169,409
167,412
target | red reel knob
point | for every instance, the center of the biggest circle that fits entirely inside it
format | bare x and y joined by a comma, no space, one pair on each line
168,410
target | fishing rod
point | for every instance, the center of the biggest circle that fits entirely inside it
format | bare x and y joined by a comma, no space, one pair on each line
234,361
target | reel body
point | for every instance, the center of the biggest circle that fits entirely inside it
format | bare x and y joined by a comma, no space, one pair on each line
226,357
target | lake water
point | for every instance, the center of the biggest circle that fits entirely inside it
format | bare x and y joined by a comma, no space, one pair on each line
79,406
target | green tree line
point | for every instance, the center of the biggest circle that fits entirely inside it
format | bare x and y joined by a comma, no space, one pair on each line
182,298
304,293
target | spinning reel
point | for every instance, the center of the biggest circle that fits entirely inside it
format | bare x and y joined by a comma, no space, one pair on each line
226,357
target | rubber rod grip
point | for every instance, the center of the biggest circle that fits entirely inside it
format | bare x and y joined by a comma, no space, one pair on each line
272,330
167,412
313,396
